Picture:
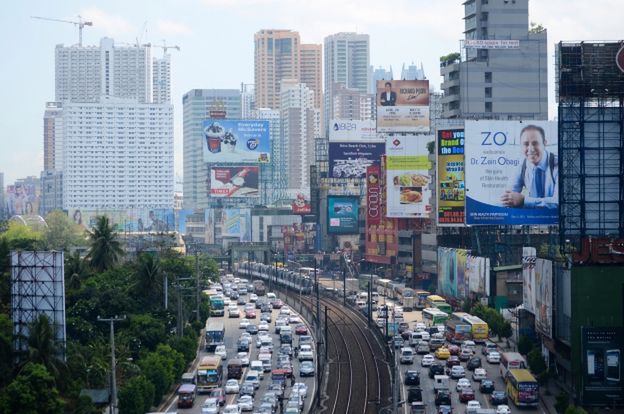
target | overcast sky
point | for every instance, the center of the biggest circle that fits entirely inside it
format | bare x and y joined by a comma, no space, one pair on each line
216,40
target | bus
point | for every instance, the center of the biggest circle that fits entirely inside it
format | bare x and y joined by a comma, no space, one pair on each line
186,395
365,278
384,288
434,316
306,271
435,301
215,334
511,360
406,297
522,388
421,298
480,329
457,331
209,373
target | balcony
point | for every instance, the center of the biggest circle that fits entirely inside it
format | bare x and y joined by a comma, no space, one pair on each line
449,84
447,99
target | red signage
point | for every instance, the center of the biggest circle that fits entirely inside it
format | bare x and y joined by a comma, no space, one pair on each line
600,250
373,195
300,206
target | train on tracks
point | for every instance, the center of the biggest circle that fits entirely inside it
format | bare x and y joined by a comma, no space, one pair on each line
300,281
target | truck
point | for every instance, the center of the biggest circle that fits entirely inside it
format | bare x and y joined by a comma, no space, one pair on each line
441,383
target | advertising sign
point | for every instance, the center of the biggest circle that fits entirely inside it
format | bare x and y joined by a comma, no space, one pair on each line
403,106
234,182
22,199
343,215
228,140
512,173
602,350
408,192
129,221
451,189
491,44
300,205
350,159
373,195
461,275
356,130
236,222
543,296
528,278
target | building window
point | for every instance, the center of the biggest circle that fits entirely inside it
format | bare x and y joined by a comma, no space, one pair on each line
488,77
488,92
483,54
488,107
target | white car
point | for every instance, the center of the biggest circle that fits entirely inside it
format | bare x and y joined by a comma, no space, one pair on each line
234,312
503,409
300,388
420,327
253,297
245,402
306,353
472,407
463,383
232,409
479,374
244,358
263,326
493,357
232,387
427,360
221,351
210,406
294,319
458,372
243,324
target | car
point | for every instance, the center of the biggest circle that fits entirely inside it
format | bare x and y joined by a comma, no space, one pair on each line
253,297
427,360
411,377
406,355
414,394
479,374
234,295
294,319
488,347
210,406
305,339
493,357
452,361
243,324
436,369
292,410
406,335
232,409
422,348
233,312
244,358
241,301
403,326
458,372
285,349
454,349
465,354
277,304
306,353
487,386
245,402
250,314
249,306
300,388
473,407
271,399
277,389
252,329
245,335
232,387
247,389
420,326
306,369
242,345
443,397
445,409
263,326
503,409
498,397
442,353
466,394
474,363
463,383
265,308
221,351
218,394
295,401
266,317
301,329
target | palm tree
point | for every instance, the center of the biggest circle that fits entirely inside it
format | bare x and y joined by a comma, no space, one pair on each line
149,274
105,249
75,271
42,347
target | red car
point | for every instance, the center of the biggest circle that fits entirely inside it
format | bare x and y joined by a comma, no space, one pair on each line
454,349
218,394
250,314
466,394
301,329
452,361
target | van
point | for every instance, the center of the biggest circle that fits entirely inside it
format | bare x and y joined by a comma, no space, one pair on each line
360,304
271,296
254,378
375,297
265,360
257,366
416,337
441,382
406,356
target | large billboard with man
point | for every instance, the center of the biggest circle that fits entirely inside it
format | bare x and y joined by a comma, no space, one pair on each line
512,172
403,106
230,140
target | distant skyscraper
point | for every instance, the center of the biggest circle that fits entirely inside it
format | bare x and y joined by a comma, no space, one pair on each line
51,192
197,106
248,100
276,57
352,104
276,177
412,72
498,83
311,60
161,87
378,74
347,61
53,136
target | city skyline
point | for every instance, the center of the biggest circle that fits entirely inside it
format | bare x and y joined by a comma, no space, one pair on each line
32,71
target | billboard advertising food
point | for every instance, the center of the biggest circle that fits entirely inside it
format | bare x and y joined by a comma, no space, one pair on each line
229,140
403,106
373,195
301,205
234,181
408,192
358,130
343,213
512,173
350,159
451,189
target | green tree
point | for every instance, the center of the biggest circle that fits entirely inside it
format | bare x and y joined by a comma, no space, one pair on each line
157,370
42,347
136,396
525,345
21,237
537,364
536,28
574,410
31,392
75,271
146,332
563,401
62,233
149,279
506,331
105,250
6,349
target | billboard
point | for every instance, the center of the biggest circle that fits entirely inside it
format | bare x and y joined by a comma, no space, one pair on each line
350,159
343,213
491,44
229,140
543,296
129,221
233,182
373,195
301,205
602,350
403,106
451,188
356,130
235,222
408,192
22,199
512,173
528,278
461,275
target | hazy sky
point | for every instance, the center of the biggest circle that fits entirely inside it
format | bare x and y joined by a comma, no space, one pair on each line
216,38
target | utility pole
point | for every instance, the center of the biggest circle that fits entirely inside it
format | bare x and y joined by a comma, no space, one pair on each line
166,290
197,281
111,321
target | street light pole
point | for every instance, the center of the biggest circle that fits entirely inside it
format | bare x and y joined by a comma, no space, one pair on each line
111,321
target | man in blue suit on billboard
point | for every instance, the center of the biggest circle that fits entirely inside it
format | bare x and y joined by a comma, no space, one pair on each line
538,173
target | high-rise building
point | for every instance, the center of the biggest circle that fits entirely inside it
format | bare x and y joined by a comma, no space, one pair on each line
352,104
199,105
506,75
300,122
51,192
311,60
53,136
347,62
376,75
248,100
276,57
161,73
412,72
276,181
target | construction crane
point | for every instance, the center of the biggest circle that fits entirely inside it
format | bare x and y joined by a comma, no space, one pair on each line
164,47
80,23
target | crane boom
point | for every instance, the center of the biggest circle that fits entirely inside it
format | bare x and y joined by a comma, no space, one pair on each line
164,47
80,23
